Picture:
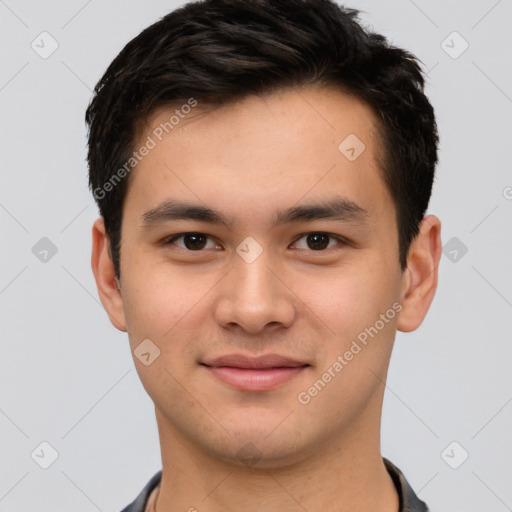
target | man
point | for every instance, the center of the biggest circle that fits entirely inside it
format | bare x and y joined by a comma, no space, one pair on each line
262,171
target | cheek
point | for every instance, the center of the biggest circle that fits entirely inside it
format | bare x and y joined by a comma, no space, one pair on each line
161,300
347,307
357,344
344,299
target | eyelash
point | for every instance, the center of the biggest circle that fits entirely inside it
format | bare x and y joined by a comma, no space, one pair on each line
170,240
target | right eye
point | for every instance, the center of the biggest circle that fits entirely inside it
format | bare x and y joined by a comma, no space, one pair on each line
192,241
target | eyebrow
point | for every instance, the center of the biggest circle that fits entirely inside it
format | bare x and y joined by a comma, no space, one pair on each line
339,209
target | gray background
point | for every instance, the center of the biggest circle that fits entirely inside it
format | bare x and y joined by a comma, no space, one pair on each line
67,376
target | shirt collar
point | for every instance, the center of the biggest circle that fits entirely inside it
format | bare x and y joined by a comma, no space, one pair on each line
408,501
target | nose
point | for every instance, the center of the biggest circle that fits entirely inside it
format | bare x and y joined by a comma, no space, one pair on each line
255,297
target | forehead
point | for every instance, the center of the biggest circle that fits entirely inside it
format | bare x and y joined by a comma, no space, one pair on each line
261,153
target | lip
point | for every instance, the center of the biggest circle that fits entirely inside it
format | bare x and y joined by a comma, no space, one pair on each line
260,362
254,373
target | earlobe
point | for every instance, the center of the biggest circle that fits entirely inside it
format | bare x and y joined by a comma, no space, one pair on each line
420,276
104,273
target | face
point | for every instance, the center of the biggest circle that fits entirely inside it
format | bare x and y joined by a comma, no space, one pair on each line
296,257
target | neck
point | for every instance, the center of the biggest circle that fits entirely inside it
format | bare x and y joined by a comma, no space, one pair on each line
340,474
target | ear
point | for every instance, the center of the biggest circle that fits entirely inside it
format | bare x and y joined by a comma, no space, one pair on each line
106,281
420,276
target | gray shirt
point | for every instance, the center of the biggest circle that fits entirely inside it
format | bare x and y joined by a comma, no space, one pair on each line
408,501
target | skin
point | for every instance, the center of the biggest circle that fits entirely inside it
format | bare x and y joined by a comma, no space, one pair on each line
247,160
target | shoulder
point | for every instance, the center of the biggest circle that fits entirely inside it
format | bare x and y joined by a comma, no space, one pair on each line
139,504
409,502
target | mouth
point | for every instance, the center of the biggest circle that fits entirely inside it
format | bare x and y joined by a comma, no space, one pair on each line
254,373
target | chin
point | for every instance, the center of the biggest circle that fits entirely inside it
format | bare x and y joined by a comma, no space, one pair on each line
255,449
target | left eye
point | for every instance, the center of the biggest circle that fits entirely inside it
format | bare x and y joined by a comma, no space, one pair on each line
198,241
319,241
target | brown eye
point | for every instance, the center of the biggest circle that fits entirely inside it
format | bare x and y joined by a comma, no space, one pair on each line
319,241
191,241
